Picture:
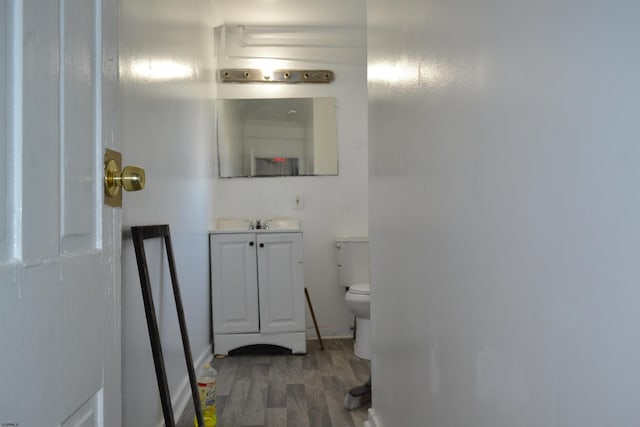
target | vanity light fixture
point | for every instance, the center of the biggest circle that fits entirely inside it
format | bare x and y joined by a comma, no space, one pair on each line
255,75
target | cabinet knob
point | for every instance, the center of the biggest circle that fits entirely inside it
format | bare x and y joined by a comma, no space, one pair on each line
251,243
262,245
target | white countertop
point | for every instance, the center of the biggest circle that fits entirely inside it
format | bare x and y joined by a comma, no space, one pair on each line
262,230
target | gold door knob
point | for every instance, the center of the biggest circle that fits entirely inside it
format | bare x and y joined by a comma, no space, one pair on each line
131,178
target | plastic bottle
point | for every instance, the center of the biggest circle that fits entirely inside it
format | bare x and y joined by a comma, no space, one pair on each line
207,390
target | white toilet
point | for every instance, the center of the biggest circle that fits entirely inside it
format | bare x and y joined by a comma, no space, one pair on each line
353,273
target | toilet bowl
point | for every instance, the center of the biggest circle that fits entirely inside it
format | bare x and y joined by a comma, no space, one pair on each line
353,273
359,302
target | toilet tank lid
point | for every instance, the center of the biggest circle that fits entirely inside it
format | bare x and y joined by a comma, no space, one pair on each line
360,288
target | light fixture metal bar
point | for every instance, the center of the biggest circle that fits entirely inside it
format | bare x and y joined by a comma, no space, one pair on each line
254,75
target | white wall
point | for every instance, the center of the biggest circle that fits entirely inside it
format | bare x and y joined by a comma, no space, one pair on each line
333,205
167,129
504,176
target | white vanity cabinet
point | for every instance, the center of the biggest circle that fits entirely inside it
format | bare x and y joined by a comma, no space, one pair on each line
257,290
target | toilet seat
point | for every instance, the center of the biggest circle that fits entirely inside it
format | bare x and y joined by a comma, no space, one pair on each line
360,288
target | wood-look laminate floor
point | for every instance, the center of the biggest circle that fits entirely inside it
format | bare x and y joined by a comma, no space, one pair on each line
272,390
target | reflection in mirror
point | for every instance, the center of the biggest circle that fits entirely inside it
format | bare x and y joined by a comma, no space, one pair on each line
277,137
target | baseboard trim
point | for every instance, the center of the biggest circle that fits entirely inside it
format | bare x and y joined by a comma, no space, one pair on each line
331,337
337,332
374,420
182,395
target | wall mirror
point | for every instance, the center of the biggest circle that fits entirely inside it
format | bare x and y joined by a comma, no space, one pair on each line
277,137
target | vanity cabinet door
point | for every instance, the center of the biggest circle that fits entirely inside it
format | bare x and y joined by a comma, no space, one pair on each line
281,278
234,283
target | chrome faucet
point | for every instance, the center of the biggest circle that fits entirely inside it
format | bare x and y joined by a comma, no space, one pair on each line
259,225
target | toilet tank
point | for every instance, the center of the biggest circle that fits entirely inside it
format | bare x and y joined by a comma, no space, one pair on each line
353,260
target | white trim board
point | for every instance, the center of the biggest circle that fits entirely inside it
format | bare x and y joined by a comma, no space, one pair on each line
374,420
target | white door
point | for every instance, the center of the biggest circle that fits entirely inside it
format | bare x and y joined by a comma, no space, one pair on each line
59,245
234,280
281,279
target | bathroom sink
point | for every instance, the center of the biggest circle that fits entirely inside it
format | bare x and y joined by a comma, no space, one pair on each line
232,224
241,224
282,223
